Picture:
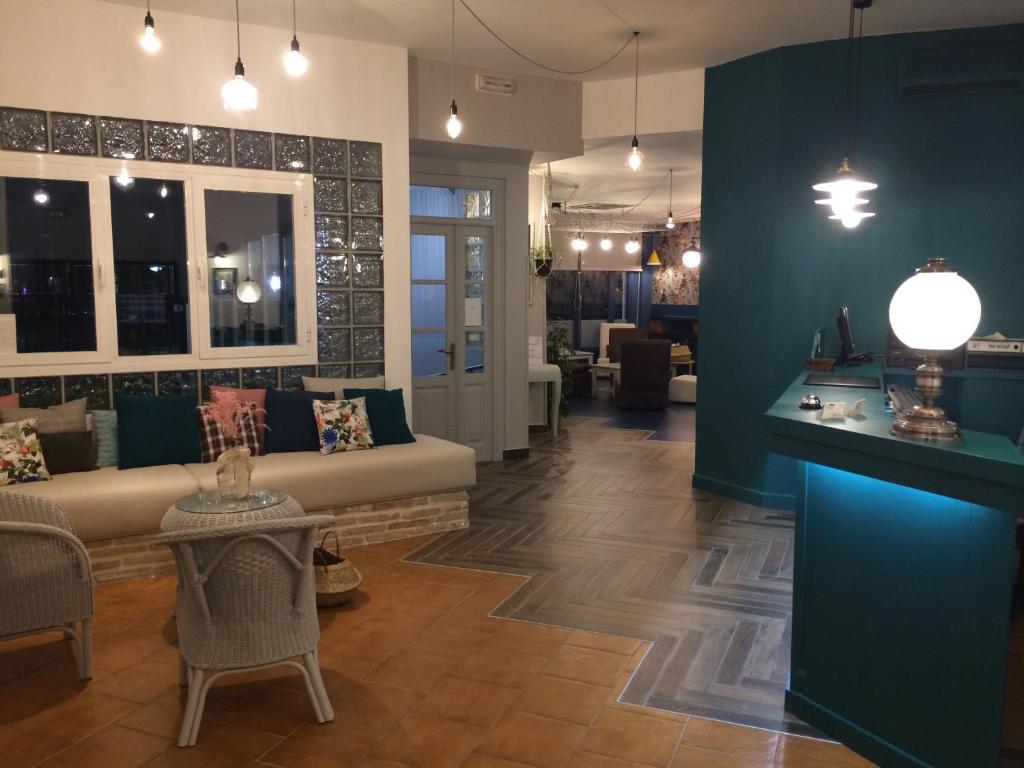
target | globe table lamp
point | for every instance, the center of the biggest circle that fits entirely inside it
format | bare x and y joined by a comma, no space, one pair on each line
934,311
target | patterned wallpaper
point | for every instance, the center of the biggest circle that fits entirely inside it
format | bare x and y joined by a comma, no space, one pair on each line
348,221
673,283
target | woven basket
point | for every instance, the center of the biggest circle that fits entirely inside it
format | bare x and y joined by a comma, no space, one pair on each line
336,577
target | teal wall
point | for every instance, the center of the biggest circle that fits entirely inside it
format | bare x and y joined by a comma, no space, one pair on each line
950,171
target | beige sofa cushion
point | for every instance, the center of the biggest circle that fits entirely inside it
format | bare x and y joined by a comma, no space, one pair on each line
111,502
430,465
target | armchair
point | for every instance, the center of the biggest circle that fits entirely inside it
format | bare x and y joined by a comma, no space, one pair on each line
646,371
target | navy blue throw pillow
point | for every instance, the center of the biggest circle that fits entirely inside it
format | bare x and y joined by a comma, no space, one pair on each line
291,425
386,410
156,430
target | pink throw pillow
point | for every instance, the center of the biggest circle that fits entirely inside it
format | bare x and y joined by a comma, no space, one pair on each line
257,396
10,401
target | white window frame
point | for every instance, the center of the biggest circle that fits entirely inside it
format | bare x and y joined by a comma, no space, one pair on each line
195,179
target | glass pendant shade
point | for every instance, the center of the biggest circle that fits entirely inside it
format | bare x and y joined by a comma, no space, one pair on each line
606,243
454,125
148,40
633,245
295,64
670,223
635,158
238,95
248,291
691,258
935,310
579,243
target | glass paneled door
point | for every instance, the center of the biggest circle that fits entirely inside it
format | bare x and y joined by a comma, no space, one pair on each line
450,334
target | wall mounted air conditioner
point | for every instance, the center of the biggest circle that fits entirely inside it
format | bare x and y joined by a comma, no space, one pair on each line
964,71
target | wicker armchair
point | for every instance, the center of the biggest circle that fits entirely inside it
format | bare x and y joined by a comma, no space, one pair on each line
45,578
246,600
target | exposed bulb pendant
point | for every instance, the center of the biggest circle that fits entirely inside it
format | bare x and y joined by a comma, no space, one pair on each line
691,257
454,125
635,158
670,223
606,243
148,40
579,243
238,95
295,64
845,187
633,246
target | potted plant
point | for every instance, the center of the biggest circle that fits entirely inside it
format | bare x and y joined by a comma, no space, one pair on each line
543,257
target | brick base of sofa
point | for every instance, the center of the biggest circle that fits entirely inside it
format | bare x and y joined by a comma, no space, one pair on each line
132,556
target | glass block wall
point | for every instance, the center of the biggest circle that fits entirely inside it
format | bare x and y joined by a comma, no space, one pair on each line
349,228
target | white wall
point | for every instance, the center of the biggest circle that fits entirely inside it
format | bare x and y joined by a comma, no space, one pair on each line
83,56
669,102
542,116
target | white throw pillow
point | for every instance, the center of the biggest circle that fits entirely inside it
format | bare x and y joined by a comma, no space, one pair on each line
338,386
342,425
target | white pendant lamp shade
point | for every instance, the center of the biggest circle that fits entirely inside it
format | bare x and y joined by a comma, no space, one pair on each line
454,125
844,196
238,95
691,257
248,291
295,64
579,243
935,310
633,246
606,243
148,40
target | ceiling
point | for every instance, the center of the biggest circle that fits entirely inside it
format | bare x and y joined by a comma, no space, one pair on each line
599,178
576,34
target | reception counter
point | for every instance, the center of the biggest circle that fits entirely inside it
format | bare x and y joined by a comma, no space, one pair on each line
903,576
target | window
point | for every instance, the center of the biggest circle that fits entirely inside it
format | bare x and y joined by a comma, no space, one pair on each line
150,266
106,261
450,202
251,263
46,266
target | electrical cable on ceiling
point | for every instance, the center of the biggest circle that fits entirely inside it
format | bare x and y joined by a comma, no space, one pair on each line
536,63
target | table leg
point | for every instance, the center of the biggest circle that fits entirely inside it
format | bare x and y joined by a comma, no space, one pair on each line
593,382
556,401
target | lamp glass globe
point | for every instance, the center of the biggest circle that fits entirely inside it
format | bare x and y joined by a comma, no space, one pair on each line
148,40
248,291
691,258
606,243
635,159
295,64
454,126
239,96
935,311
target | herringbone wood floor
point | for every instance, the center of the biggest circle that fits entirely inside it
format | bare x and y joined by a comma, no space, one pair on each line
616,540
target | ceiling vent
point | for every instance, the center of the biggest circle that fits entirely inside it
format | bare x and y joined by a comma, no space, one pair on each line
947,73
505,86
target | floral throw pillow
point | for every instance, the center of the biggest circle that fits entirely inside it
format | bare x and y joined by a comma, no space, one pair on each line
342,425
21,458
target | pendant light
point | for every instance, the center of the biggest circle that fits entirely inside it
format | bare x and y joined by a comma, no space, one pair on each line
606,243
691,256
295,64
654,260
635,158
633,246
579,243
670,223
845,187
454,125
148,40
238,95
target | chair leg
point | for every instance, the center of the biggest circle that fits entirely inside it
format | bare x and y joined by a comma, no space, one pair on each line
190,720
314,698
312,661
85,650
182,671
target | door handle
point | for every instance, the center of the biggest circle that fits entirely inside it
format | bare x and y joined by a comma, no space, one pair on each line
451,355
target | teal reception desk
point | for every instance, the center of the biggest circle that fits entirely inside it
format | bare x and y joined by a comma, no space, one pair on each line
902,584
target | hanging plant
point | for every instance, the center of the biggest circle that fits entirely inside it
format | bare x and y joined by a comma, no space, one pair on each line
543,258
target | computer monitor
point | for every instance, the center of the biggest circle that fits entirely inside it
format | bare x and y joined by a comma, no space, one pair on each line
845,338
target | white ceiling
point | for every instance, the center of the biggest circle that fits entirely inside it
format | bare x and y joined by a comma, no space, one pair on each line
600,177
575,34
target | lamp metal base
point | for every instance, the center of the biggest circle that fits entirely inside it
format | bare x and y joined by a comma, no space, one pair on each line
926,423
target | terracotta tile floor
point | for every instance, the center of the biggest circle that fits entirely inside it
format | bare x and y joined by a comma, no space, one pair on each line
419,674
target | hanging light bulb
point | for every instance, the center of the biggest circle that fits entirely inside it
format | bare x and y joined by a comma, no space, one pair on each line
238,95
41,196
148,40
633,246
579,243
123,180
670,223
606,243
454,125
163,190
844,188
635,158
248,291
295,64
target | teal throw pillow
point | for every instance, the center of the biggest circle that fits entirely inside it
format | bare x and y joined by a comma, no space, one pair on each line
156,430
386,409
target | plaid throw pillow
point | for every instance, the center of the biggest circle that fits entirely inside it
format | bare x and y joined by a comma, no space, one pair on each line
213,442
